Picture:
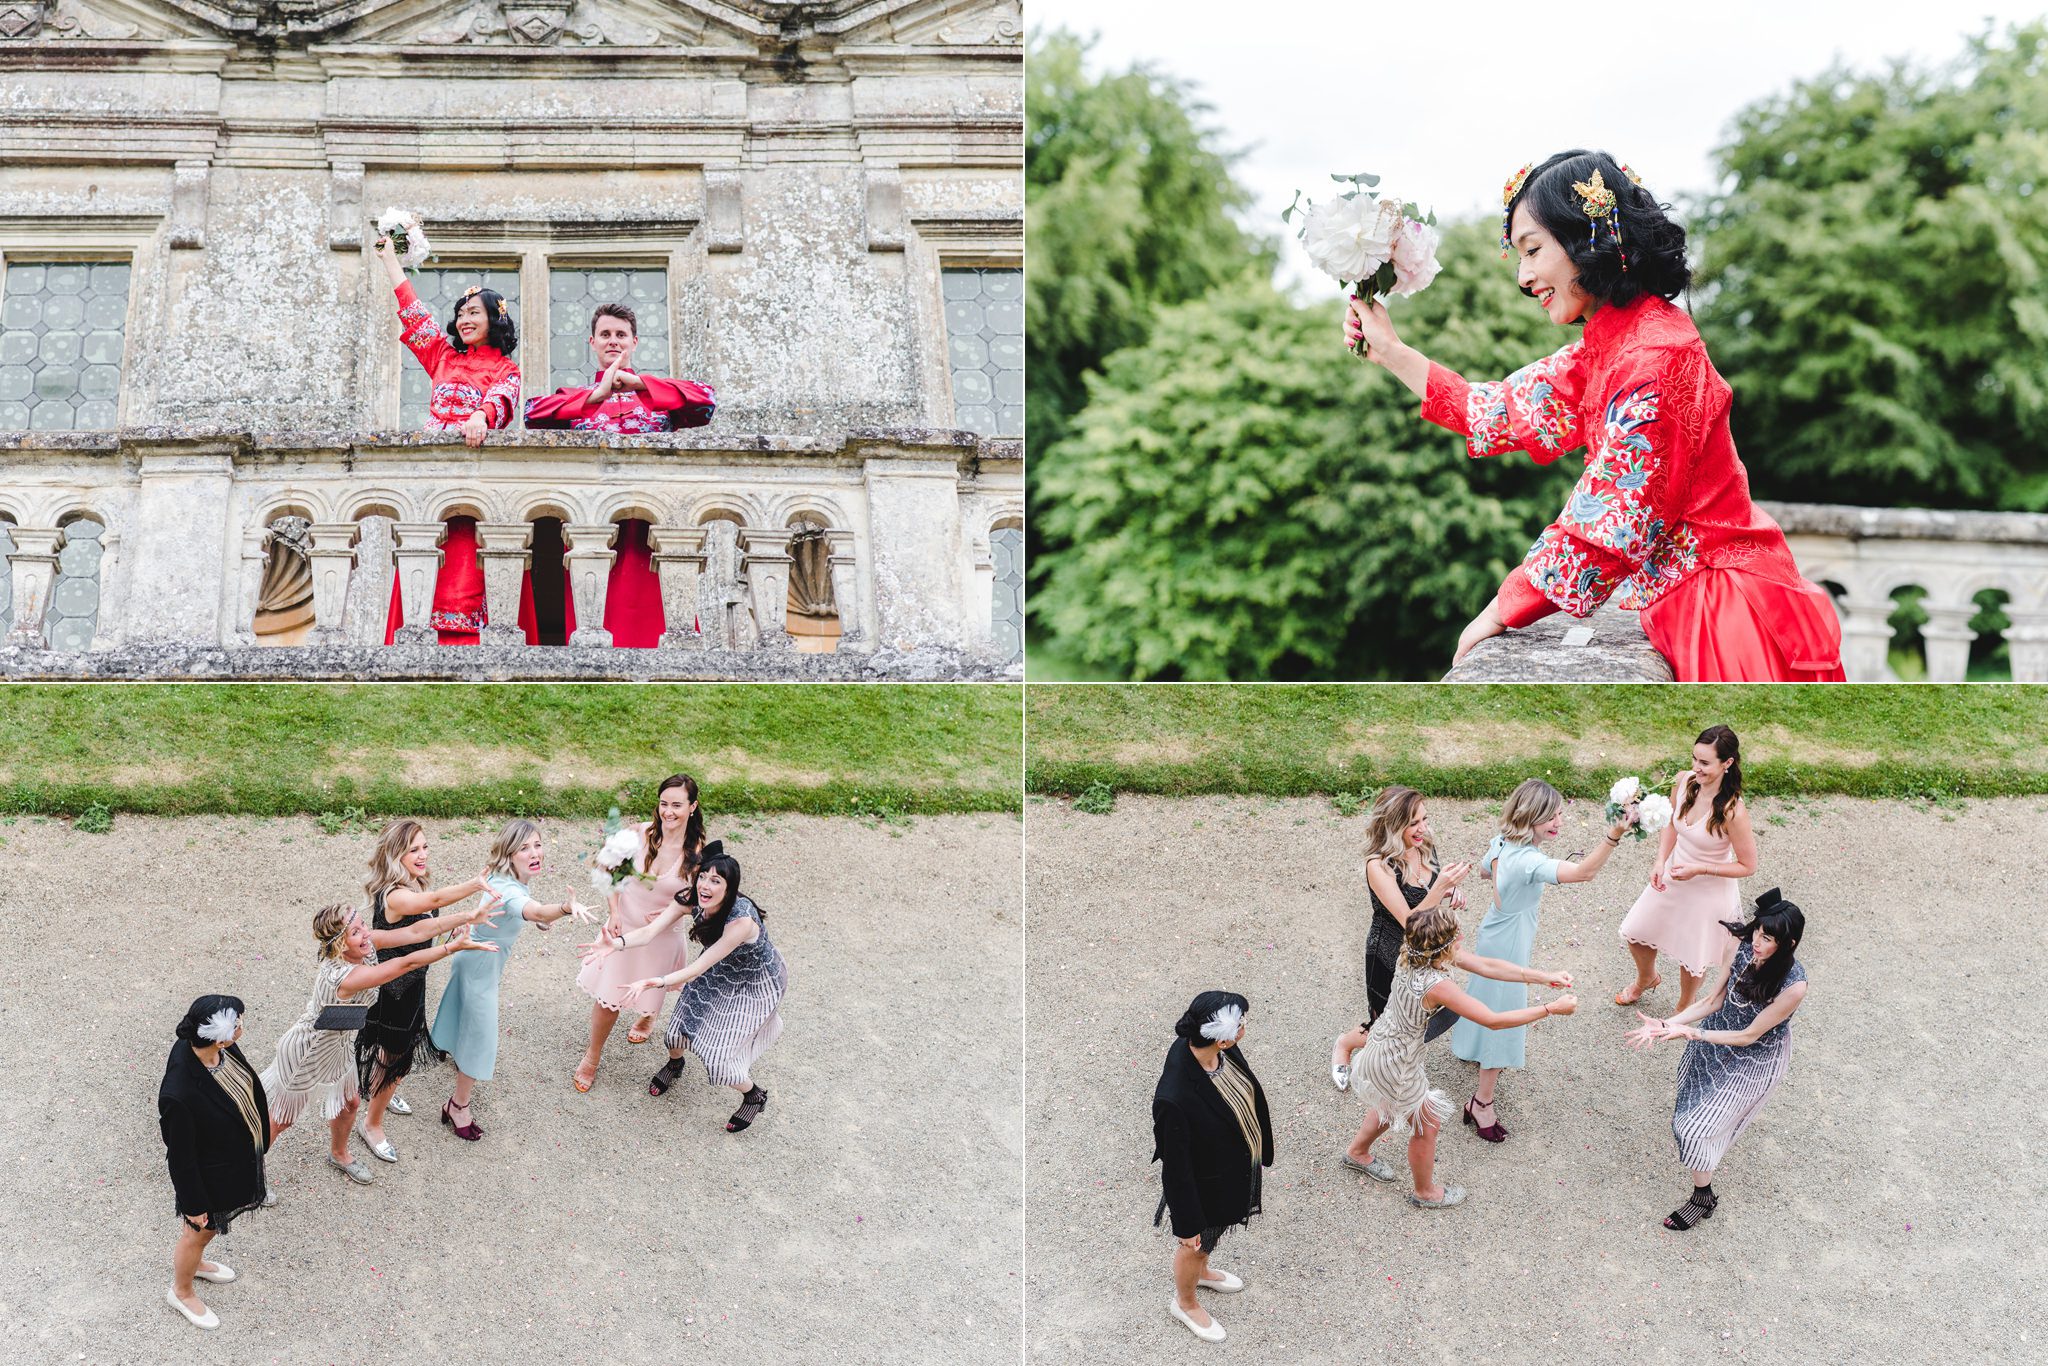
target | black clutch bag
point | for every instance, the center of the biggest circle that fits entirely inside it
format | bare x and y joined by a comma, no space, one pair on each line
341,1017
1440,1022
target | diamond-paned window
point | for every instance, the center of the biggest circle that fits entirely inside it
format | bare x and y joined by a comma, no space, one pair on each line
62,326
439,289
75,600
575,292
985,348
1006,548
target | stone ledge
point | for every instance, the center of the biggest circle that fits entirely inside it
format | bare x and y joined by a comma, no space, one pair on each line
1908,524
493,664
1607,647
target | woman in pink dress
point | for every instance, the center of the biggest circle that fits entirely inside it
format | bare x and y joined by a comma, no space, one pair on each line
675,838
1705,848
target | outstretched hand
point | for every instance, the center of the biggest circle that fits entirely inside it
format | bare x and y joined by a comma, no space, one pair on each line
1651,1030
460,942
644,984
1372,323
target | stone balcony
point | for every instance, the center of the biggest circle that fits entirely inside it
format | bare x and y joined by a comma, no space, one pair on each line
1863,556
198,528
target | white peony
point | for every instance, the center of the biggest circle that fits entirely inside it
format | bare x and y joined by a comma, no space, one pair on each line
600,881
407,238
1414,256
620,846
1654,813
1349,239
1625,791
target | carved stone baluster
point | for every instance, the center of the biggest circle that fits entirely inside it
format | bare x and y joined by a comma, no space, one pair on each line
767,570
2026,639
587,548
679,559
249,585
419,564
1867,638
34,564
846,591
332,555
1948,638
505,550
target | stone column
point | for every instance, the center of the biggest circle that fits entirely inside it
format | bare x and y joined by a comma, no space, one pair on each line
330,550
917,559
679,559
982,607
418,552
183,552
767,570
846,592
2026,638
1867,638
504,549
587,550
113,593
1948,638
241,630
34,565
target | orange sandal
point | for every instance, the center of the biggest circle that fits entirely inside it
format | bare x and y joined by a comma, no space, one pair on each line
1629,994
642,1030
576,1079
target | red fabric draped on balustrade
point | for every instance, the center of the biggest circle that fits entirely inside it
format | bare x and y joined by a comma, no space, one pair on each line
632,609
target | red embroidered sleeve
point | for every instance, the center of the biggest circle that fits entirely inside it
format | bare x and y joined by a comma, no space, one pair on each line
1619,534
559,410
418,332
1535,409
687,404
501,400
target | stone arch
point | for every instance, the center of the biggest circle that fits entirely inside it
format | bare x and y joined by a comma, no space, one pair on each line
72,617
1005,540
793,508
545,503
724,506
634,505
377,502
462,501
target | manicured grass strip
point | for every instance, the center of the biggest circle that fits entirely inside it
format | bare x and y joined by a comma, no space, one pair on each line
1474,741
571,750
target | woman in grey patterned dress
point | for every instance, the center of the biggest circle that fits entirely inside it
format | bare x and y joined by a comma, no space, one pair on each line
1390,1076
728,1013
1738,1053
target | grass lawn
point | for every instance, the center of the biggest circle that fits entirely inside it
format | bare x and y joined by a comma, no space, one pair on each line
450,750
1477,741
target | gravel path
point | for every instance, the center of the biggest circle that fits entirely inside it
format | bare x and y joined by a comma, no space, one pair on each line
1886,1206
871,1215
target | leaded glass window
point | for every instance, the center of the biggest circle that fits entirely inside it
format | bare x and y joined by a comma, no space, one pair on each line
985,348
61,335
75,601
439,289
1006,548
574,293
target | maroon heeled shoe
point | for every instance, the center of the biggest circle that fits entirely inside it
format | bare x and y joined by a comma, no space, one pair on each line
1492,1133
467,1131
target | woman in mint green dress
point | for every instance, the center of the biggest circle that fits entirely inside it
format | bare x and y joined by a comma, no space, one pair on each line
1520,871
466,1022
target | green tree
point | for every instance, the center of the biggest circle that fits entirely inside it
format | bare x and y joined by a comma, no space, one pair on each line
1874,284
1128,207
1241,498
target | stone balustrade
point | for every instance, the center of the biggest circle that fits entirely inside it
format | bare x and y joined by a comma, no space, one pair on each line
1864,556
193,519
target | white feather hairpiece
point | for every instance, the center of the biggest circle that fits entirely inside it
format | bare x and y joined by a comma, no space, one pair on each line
1224,1024
220,1026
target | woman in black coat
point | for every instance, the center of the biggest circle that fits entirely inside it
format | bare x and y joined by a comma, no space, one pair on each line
1212,1135
213,1113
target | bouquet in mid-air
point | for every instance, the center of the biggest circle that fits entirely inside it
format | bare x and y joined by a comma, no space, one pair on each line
621,856
1372,244
1653,812
408,241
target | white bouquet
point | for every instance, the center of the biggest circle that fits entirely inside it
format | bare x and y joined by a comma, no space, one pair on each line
1371,245
1653,815
407,238
1624,791
620,856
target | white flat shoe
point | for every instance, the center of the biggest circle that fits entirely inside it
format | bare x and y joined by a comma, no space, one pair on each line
269,1196
222,1273
209,1319
1340,1072
1222,1282
1453,1195
1378,1169
383,1152
1213,1333
398,1106
352,1169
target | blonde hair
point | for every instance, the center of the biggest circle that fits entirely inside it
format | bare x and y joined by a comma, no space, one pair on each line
1430,935
330,924
1529,806
387,860
1386,828
517,831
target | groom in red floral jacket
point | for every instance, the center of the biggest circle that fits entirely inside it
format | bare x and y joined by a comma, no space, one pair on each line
622,400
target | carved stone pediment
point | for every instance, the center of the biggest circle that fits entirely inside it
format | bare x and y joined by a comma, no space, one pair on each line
950,23
536,23
24,21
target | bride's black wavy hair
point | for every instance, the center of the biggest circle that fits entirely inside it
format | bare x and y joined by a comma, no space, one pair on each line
503,334
1655,245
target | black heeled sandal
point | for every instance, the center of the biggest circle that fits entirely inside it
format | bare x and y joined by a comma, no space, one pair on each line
751,1106
671,1072
1692,1212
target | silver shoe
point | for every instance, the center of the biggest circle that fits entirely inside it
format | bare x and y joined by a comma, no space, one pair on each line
398,1106
383,1152
1453,1195
269,1196
352,1169
1377,1169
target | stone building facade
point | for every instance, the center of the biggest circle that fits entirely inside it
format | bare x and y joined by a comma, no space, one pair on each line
210,455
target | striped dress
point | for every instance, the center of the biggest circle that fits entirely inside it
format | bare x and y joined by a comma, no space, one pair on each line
1721,1087
317,1067
729,1016
1389,1076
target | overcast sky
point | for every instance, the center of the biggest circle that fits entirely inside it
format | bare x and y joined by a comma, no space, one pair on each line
1448,99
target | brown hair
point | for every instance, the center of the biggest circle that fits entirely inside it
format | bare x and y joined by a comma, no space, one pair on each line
620,311
517,831
693,829
329,925
1529,805
387,868
1429,936
1386,828
1728,747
